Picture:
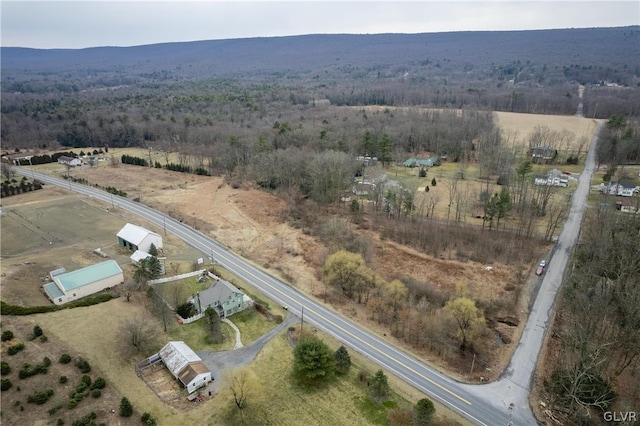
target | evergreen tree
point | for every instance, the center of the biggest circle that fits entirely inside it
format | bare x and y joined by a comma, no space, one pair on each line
385,150
433,182
126,409
141,274
423,412
379,386
212,321
152,267
343,360
313,361
153,250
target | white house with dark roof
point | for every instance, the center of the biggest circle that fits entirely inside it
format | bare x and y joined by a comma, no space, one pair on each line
185,365
623,189
134,237
69,161
67,286
222,296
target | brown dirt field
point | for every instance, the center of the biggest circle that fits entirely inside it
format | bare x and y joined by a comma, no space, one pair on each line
397,260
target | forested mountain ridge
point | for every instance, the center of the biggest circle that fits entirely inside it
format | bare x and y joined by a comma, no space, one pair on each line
240,88
313,53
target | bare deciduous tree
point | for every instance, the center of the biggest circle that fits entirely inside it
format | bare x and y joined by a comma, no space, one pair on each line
137,335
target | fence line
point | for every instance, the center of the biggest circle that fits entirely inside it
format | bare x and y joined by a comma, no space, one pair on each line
191,319
176,277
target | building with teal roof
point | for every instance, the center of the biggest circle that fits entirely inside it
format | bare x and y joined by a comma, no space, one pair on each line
421,162
67,286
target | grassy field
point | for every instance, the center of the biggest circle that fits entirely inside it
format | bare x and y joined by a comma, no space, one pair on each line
281,401
521,126
468,189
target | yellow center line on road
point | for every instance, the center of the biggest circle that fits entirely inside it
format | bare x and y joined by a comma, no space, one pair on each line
178,231
348,333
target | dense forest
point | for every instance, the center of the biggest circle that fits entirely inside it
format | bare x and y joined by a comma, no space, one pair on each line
211,91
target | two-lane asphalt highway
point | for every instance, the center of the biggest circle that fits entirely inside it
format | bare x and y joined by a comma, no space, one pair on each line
437,386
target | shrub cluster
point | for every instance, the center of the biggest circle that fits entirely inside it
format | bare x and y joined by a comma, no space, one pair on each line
51,411
148,419
83,181
83,365
87,420
40,397
12,350
5,384
4,368
7,335
6,309
65,359
28,370
136,161
91,300
37,332
7,189
98,383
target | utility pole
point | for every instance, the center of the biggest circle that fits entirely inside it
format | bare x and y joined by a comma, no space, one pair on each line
302,319
472,364
164,223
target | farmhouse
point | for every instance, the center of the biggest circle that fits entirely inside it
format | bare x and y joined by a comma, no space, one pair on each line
134,237
623,189
69,161
222,296
185,365
68,286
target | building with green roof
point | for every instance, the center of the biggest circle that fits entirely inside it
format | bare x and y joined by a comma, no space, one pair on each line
67,286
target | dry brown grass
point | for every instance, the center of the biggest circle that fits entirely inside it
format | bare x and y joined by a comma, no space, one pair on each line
521,126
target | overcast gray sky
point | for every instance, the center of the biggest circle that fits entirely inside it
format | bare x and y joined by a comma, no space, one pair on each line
57,24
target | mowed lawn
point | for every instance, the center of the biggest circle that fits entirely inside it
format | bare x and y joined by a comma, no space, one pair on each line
94,333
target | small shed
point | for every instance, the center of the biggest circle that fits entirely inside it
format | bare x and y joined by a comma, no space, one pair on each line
134,237
185,365
67,286
138,255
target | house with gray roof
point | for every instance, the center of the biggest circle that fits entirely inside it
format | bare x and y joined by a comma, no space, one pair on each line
67,286
222,296
623,189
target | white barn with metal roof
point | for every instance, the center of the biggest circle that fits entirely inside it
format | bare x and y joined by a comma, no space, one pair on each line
134,237
185,365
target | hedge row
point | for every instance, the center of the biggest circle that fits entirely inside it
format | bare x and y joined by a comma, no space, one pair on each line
7,309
